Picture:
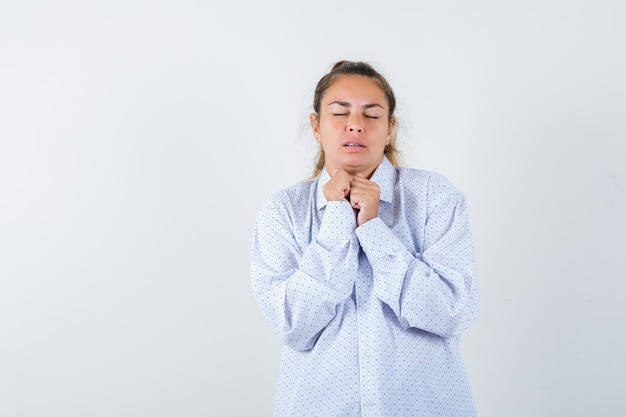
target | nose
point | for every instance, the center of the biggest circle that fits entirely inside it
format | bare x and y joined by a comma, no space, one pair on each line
354,125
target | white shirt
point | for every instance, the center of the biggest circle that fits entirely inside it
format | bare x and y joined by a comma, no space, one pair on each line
370,317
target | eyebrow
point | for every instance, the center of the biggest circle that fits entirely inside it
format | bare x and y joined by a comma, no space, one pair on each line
346,104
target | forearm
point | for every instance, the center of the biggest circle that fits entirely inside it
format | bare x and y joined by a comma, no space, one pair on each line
299,293
423,290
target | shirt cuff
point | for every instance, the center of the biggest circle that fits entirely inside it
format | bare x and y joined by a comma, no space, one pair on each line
372,234
337,225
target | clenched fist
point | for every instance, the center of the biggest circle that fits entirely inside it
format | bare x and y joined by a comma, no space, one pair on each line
363,194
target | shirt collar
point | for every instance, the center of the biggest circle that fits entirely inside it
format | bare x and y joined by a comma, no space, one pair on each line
384,175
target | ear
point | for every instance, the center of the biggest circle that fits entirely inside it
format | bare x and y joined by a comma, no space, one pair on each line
392,126
314,119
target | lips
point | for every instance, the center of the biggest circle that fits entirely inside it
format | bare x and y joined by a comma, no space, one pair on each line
353,145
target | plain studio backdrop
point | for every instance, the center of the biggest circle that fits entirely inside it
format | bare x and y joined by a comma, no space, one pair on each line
138,140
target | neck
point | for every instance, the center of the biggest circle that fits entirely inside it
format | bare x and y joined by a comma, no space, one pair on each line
366,173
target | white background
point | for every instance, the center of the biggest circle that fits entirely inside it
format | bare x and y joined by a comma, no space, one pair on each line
138,139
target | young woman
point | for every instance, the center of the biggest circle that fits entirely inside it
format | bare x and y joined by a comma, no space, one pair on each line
366,271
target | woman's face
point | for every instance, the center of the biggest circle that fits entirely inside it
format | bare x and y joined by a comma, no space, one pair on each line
353,125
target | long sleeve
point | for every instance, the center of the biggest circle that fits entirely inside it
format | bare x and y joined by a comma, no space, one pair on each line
434,290
301,286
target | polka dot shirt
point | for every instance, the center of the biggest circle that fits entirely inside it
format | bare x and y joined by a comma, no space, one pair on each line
370,317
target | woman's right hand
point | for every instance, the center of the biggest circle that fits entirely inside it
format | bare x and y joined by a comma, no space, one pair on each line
338,187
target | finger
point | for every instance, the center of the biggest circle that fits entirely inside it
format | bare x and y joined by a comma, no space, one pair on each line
363,187
361,179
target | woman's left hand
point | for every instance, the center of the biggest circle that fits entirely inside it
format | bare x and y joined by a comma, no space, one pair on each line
365,197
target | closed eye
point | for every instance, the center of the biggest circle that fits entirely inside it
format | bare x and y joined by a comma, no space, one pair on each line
340,114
